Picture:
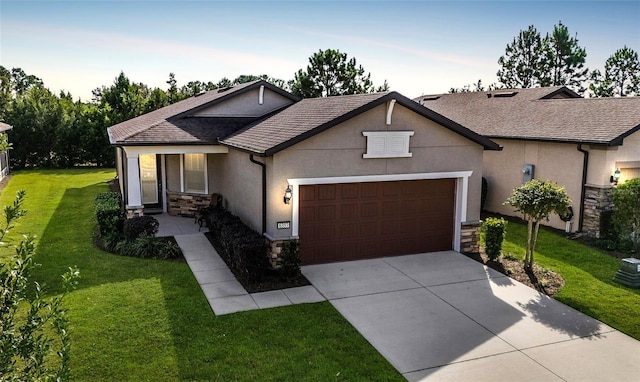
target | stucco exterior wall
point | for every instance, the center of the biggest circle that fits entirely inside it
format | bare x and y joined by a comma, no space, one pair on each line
559,162
240,183
339,150
247,105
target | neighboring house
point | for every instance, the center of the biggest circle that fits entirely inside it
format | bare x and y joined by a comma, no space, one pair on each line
4,155
368,175
552,134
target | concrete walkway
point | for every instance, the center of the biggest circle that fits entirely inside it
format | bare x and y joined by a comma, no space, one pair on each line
224,293
445,317
437,316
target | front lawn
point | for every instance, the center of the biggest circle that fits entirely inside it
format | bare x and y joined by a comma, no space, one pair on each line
588,274
138,319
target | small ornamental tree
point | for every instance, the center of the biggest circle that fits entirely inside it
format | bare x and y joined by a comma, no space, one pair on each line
34,338
626,211
537,200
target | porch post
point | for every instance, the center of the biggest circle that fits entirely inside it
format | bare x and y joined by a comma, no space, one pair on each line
134,192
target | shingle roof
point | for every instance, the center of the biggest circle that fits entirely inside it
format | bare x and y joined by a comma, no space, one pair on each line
5,127
190,130
529,114
133,130
313,115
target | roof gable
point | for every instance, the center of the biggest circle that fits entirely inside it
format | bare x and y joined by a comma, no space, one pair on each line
312,116
123,132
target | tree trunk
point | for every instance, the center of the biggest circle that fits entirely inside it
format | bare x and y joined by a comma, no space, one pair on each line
528,256
533,244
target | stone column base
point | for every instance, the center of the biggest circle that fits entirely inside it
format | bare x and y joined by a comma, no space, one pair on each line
135,211
470,237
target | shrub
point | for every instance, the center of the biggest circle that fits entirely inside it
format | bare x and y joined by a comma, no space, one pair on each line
626,215
244,249
140,226
290,257
494,230
149,247
109,213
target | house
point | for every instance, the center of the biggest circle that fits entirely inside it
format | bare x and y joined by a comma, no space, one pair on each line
554,134
4,154
351,177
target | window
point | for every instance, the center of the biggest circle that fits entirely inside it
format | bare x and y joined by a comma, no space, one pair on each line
195,173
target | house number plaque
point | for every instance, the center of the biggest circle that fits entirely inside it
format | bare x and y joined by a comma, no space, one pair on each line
284,225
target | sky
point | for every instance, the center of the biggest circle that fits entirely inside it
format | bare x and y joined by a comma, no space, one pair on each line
418,47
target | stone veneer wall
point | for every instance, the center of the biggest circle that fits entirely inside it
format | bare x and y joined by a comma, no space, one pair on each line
470,237
185,204
597,199
274,253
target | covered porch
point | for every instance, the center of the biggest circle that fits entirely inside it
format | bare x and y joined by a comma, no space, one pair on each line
174,180
177,225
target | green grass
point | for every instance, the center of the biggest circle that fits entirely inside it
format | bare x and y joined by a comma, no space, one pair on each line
588,273
139,319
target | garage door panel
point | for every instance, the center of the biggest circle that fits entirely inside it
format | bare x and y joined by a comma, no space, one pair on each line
350,191
368,229
369,209
349,211
327,192
307,194
368,190
327,212
341,222
389,208
348,232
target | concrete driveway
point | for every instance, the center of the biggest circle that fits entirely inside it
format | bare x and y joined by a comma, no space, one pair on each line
442,316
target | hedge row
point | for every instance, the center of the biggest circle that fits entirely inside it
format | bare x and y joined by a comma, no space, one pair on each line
245,250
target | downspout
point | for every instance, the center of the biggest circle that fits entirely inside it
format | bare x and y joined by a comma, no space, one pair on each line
585,165
123,189
264,191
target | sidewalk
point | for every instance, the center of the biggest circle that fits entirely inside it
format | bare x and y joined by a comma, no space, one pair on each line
224,293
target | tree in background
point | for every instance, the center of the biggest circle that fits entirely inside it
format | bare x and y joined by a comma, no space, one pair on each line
621,75
537,200
563,60
331,73
36,117
555,60
522,61
477,87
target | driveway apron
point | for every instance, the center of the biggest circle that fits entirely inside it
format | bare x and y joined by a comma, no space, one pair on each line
442,316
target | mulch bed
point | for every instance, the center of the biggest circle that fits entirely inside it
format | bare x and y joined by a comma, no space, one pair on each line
541,279
272,280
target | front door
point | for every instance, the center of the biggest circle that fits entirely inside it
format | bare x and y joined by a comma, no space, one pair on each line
150,180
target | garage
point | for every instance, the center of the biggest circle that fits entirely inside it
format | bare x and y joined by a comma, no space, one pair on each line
352,221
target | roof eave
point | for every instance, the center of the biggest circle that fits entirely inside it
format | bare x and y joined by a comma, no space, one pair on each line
613,142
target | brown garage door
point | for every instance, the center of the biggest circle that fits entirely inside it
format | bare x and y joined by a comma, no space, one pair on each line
352,221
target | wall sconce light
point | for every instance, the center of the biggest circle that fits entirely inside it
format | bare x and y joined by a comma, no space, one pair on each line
287,195
615,177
